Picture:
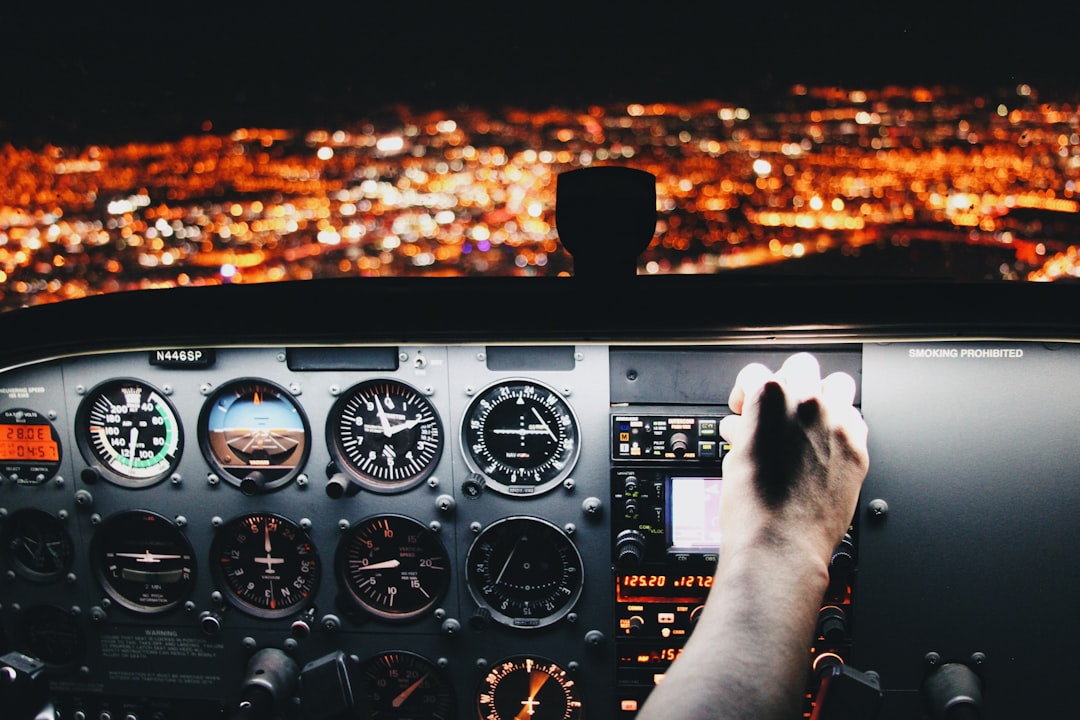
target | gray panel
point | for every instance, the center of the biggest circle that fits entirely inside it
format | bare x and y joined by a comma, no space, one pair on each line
976,454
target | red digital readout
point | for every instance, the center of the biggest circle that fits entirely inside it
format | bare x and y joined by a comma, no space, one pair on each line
28,443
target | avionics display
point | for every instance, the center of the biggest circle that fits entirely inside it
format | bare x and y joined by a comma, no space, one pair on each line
694,512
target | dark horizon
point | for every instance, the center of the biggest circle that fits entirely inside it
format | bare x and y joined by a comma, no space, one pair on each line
95,75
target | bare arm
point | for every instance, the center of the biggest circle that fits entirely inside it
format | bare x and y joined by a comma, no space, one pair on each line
791,483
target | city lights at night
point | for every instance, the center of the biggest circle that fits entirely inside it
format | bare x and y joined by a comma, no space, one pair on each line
910,179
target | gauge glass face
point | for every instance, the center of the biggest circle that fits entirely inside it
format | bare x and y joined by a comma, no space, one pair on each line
266,564
522,436
252,431
144,561
531,687
405,686
30,449
393,567
386,435
525,571
130,432
37,545
53,636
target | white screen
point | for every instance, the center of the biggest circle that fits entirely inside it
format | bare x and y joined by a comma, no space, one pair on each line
695,512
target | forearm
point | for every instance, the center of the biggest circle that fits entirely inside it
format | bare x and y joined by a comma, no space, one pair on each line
748,655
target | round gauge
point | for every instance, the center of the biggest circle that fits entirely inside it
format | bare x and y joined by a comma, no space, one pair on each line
52,635
129,432
37,545
254,434
144,561
385,434
532,687
522,436
29,447
525,571
267,565
405,686
393,567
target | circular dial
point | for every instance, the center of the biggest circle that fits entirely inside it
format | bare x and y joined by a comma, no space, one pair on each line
528,687
52,635
393,567
522,436
267,564
29,447
524,571
254,434
405,686
37,545
128,431
385,434
144,561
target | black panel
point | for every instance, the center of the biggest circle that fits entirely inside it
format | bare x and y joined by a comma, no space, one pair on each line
976,454
343,358
555,357
704,375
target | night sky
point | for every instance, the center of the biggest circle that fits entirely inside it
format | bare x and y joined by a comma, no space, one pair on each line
113,71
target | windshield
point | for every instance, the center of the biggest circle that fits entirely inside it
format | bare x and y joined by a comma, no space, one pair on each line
179,145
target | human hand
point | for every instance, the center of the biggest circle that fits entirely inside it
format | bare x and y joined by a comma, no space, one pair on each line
798,457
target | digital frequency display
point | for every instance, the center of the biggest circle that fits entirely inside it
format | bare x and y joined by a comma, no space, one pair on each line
27,443
695,512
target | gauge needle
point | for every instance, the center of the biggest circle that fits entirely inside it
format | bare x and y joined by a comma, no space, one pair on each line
404,695
508,559
266,538
546,426
385,421
375,566
131,444
404,426
530,703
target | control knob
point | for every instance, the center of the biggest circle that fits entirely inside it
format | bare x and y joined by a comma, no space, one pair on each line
679,443
843,557
629,548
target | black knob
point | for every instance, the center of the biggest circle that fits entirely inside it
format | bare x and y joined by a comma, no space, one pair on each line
210,622
953,692
338,484
635,623
843,557
832,624
629,548
630,485
473,485
480,619
630,508
253,483
678,443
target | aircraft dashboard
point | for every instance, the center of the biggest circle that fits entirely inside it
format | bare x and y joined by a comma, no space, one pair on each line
443,499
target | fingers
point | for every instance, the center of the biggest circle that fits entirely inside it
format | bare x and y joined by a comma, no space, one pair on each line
800,379
748,384
801,376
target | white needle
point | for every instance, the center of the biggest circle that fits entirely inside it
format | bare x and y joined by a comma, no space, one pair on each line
357,565
546,426
508,559
382,417
148,556
131,444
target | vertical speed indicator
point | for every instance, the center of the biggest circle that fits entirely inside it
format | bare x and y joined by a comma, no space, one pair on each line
522,436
